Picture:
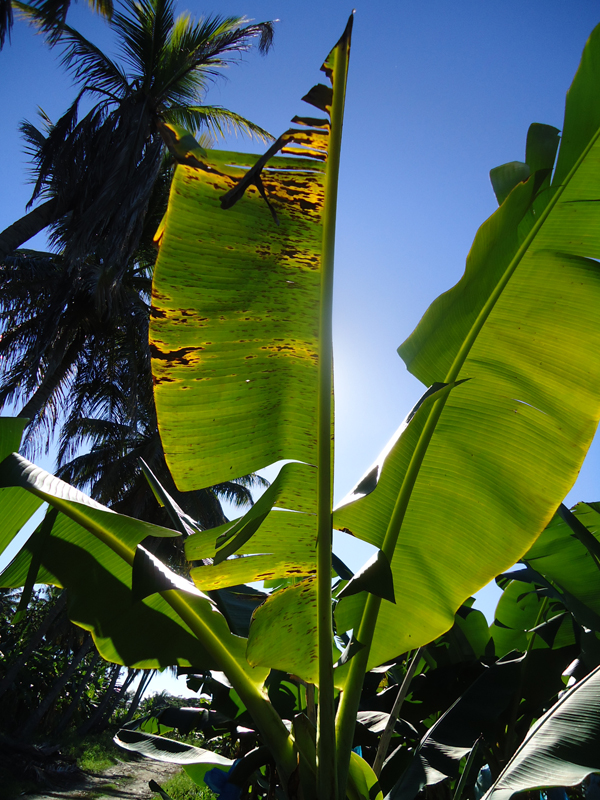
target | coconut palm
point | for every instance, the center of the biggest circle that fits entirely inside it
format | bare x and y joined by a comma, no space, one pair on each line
96,173
55,12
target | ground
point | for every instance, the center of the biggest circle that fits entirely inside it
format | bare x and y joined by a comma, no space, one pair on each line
128,781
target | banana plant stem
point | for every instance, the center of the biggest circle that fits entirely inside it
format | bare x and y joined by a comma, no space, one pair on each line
386,736
269,723
348,708
326,751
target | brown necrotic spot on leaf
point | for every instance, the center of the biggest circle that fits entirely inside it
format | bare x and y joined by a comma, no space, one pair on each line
179,357
164,379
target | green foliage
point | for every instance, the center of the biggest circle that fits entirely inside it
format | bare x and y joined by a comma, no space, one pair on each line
182,787
93,753
511,356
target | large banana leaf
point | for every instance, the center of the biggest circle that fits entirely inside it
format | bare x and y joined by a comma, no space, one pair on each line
481,476
565,560
237,309
235,319
561,749
89,550
16,508
195,760
450,739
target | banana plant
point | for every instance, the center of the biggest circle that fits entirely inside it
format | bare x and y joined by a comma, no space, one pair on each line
242,359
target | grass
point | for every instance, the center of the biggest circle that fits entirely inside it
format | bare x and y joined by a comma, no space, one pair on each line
95,753
182,787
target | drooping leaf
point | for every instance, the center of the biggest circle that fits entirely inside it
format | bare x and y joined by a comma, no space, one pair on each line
561,749
194,760
90,551
123,532
17,508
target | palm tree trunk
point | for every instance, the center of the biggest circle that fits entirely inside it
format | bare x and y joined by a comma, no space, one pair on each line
67,716
36,717
97,715
23,229
119,696
137,698
55,609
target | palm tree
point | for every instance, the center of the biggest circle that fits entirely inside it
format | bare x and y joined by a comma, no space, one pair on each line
73,324
97,173
55,12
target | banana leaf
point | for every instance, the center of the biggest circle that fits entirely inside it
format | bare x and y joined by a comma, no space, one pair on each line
481,474
237,348
561,749
525,619
565,560
450,739
90,550
17,508
195,761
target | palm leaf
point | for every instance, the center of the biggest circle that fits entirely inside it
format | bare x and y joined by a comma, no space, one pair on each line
219,121
87,63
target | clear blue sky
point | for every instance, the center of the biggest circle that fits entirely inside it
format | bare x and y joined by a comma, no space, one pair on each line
439,92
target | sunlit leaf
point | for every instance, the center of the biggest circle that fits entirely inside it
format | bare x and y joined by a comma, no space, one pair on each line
503,449
16,508
283,634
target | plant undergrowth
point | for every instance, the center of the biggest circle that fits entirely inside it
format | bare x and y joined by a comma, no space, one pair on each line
95,752
182,787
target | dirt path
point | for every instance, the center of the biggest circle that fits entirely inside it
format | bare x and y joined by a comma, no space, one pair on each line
124,781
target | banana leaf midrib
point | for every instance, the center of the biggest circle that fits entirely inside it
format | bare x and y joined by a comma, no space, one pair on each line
485,312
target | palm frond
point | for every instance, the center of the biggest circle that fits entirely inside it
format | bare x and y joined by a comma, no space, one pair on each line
103,7
6,20
197,53
88,64
143,29
217,120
